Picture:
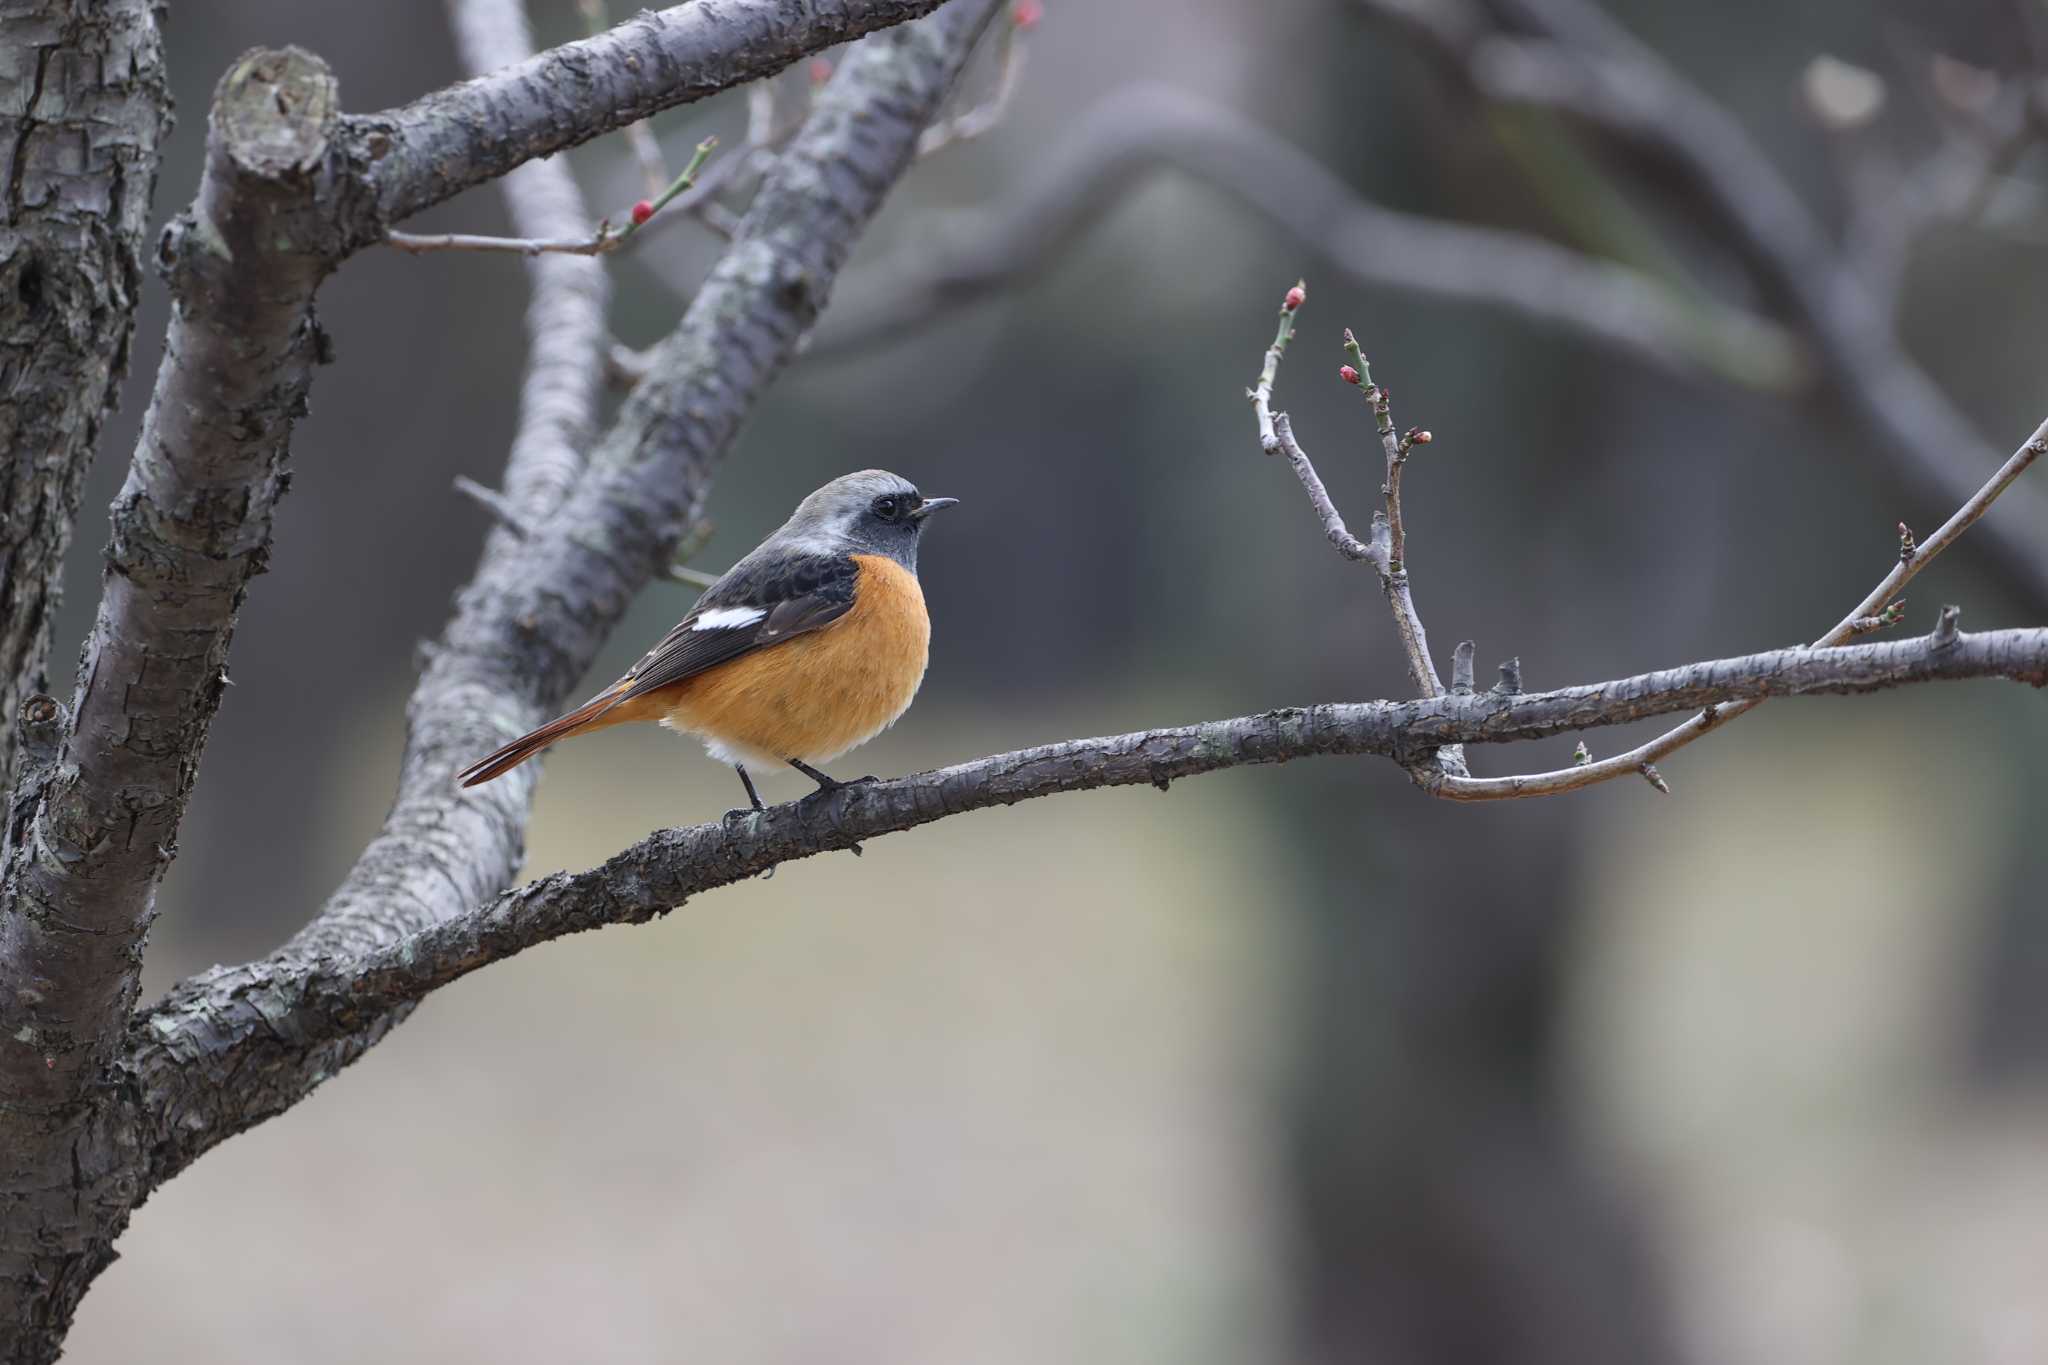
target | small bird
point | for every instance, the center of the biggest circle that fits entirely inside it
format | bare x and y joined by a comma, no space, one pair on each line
811,645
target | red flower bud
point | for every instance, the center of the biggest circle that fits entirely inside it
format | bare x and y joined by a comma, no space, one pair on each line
821,70
1025,14
1296,297
1421,438
1348,375
642,211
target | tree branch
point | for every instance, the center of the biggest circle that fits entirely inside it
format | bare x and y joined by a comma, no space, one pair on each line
1878,609
312,1001
1445,773
469,134
968,256
83,109
531,622
1589,70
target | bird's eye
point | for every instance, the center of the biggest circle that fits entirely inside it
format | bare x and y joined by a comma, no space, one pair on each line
886,508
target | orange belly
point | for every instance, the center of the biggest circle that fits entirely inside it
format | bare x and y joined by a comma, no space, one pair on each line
817,695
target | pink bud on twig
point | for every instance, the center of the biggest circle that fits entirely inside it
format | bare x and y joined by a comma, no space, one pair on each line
1296,297
1348,375
642,211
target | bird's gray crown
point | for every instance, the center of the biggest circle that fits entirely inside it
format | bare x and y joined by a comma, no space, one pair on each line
840,518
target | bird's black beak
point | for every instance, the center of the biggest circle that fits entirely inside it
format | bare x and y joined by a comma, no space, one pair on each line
931,505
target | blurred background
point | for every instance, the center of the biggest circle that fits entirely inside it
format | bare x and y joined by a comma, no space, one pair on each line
1290,1064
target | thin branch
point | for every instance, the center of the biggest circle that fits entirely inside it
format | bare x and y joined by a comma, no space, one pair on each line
1106,155
313,1001
1881,606
1390,537
983,117
1383,552
530,624
1588,69
600,242
1276,437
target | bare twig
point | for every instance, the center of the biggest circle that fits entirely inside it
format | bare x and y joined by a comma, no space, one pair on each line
1447,776
1390,536
602,242
973,123
1276,437
1388,547
494,502
1880,607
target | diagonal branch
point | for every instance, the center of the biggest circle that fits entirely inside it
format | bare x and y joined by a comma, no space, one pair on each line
529,625
969,256
310,1002
472,133
1877,609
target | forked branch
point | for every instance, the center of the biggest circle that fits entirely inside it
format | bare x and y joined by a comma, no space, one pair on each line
1446,776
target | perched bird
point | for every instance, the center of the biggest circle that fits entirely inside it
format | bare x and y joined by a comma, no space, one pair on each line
809,646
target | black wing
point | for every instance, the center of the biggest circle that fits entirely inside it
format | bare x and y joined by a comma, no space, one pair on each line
766,604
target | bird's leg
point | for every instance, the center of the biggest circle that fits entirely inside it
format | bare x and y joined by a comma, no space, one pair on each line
825,784
828,784
748,783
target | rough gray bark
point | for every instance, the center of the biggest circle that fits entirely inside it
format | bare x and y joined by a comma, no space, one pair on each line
83,109
290,188
472,133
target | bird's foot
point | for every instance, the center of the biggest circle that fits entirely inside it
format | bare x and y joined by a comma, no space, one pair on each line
827,784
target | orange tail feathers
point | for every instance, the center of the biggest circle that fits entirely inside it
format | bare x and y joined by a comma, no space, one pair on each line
592,715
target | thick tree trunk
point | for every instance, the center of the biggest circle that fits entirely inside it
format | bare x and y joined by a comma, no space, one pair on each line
82,110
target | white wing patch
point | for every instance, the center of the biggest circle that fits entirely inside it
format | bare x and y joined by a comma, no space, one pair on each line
726,618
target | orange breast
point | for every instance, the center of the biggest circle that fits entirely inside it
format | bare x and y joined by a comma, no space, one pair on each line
817,695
